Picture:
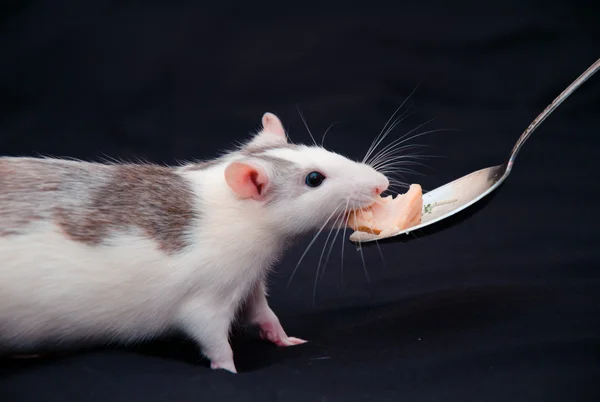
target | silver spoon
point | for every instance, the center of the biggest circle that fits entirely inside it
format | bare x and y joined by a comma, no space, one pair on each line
453,197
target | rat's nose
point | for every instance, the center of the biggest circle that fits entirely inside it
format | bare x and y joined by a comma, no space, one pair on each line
382,187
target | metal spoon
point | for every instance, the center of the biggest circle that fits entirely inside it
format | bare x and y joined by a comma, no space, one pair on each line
453,197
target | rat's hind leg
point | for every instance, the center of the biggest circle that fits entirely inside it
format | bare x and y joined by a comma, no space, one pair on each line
259,313
210,328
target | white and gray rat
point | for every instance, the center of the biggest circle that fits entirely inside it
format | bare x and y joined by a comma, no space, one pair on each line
124,252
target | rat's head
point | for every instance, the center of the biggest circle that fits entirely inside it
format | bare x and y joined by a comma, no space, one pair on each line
299,187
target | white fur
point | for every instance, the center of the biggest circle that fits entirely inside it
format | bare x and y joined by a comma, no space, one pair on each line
347,184
55,288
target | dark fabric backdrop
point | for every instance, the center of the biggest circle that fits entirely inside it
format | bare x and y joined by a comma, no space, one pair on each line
502,306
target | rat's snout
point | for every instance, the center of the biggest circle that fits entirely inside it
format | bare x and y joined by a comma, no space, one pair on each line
382,184
371,183
379,189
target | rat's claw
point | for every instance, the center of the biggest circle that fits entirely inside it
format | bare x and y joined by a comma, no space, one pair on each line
224,365
295,341
276,334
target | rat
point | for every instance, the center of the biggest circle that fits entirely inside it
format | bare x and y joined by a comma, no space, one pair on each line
124,252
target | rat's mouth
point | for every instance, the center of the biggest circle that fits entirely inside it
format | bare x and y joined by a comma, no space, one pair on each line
357,207
389,214
363,203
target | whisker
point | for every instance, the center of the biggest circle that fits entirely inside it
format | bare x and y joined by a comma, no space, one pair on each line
400,164
397,183
393,151
321,260
394,125
401,170
306,124
362,257
380,253
372,148
401,151
409,158
342,222
311,243
397,173
405,115
371,200
398,170
338,223
395,180
343,240
400,160
402,139
379,248
326,131
400,187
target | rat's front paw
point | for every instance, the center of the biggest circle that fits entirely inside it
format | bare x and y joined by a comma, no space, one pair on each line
273,332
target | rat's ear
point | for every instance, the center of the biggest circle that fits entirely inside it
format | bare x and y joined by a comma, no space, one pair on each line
272,132
247,180
272,124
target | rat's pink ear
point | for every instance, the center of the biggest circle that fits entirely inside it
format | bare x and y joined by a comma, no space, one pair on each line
247,180
272,125
272,132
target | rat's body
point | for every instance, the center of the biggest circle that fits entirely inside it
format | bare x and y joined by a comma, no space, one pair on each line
126,252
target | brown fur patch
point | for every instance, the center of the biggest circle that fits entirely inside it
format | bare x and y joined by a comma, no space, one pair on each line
90,202
24,193
252,149
247,151
203,165
151,198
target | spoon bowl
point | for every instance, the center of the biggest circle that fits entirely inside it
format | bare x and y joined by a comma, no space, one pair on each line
451,198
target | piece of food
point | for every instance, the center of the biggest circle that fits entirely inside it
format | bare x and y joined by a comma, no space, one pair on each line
389,215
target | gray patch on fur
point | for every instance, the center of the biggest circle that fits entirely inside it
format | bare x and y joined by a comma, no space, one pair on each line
281,167
246,151
284,172
92,201
203,165
284,178
31,189
251,150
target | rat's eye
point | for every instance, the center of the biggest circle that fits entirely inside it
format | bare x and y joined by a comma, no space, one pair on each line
314,179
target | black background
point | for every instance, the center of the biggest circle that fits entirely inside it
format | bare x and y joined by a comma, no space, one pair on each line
503,306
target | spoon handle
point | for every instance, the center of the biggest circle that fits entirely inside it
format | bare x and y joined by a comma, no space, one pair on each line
549,109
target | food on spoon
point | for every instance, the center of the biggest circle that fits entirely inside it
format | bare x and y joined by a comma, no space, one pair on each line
389,215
